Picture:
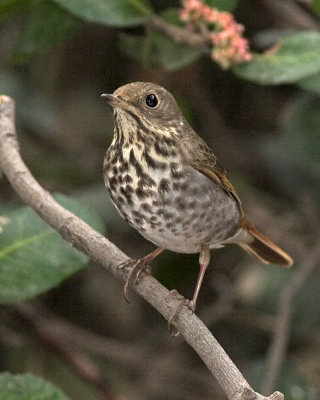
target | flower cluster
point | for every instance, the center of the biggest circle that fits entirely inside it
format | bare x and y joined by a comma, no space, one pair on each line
229,47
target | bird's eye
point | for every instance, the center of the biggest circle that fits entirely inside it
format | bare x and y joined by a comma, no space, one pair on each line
152,100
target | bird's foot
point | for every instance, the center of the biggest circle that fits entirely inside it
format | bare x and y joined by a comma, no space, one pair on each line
183,302
137,266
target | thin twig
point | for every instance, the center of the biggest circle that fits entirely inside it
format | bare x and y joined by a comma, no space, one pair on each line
101,250
181,35
279,343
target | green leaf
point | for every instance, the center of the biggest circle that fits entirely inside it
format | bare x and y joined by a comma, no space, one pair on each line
33,257
28,387
107,12
156,49
222,5
46,25
316,6
298,57
9,7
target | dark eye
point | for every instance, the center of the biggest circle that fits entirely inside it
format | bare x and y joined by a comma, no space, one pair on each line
151,100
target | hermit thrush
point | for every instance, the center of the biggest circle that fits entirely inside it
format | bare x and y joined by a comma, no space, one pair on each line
168,184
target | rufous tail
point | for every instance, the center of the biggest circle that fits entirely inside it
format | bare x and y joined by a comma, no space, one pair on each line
263,248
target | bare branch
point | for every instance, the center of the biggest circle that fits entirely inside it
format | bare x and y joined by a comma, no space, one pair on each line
102,251
181,35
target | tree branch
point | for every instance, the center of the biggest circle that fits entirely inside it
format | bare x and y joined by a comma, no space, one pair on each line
101,250
181,35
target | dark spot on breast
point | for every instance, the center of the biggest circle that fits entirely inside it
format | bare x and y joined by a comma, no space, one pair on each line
136,165
192,204
137,214
142,194
152,163
146,180
175,173
115,170
120,199
161,150
127,179
178,220
138,221
139,135
112,182
164,185
180,203
146,207
169,142
168,216
153,219
123,167
126,194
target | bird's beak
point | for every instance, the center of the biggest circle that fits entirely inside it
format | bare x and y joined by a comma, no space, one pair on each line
108,97
115,101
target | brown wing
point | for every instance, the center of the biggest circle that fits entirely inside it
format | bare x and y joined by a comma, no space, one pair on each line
207,163
255,243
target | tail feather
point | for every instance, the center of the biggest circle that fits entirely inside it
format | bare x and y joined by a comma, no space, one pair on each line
264,249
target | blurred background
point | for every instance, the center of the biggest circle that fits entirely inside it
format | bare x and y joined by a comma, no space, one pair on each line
56,64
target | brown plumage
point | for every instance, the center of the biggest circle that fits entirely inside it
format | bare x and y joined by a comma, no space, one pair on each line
167,182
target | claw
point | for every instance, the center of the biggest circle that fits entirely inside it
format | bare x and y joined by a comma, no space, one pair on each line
137,267
183,302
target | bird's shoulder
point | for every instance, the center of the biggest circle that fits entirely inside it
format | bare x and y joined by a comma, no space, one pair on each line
203,159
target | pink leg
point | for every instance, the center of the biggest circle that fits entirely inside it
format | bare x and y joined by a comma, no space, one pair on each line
204,260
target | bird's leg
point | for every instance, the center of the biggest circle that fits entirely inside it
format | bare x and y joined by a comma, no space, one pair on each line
138,266
204,260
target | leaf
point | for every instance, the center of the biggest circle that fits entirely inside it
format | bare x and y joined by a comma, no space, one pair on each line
27,387
9,7
222,5
33,257
298,57
156,49
46,25
316,6
119,13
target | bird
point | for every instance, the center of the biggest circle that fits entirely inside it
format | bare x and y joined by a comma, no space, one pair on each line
167,183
